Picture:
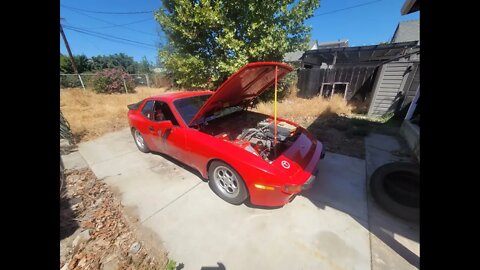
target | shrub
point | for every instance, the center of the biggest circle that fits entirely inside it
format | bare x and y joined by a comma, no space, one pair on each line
69,81
160,80
284,87
112,81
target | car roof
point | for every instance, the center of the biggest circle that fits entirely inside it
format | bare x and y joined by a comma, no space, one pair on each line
171,96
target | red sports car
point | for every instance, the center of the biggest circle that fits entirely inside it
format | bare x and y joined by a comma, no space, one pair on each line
234,148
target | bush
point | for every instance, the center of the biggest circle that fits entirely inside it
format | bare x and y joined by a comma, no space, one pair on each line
283,88
160,80
69,81
111,81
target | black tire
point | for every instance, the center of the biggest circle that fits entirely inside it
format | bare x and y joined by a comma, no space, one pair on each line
143,148
396,187
239,193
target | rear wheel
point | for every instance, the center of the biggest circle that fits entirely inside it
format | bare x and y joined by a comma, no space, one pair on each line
139,141
227,183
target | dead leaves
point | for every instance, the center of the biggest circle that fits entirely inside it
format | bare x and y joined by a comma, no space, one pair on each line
97,210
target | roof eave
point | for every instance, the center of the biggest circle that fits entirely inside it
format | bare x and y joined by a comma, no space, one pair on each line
410,6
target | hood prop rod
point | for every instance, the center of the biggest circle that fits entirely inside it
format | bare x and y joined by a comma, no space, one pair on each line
275,114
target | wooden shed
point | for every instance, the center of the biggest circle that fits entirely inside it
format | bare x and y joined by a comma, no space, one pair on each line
380,76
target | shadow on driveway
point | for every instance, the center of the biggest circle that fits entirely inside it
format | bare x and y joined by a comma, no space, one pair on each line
328,192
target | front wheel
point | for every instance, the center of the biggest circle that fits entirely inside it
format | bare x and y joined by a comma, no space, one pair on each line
227,183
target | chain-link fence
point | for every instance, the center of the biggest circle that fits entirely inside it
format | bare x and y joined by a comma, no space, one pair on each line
72,80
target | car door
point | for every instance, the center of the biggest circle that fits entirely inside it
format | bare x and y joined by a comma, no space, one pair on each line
143,122
165,133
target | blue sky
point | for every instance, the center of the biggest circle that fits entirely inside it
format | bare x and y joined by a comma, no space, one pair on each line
363,25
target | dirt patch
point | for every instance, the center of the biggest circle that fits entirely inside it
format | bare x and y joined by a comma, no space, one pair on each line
344,134
97,233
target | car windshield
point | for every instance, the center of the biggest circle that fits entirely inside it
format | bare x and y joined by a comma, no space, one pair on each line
188,107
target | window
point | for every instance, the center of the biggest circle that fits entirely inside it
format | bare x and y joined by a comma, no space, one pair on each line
163,112
188,107
148,109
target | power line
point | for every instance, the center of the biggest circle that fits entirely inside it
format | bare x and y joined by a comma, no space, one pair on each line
110,37
114,24
104,35
108,12
120,25
347,8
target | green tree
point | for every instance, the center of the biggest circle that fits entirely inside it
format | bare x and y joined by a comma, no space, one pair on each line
81,61
119,60
208,40
144,66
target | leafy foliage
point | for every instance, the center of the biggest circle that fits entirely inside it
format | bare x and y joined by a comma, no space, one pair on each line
144,66
81,61
100,62
119,60
65,130
111,81
210,40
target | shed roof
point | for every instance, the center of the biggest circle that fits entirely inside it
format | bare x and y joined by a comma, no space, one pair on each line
373,53
293,56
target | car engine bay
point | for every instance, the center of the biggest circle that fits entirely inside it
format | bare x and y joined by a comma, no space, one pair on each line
253,132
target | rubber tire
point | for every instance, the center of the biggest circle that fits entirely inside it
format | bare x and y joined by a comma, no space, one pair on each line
145,149
377,188
242,194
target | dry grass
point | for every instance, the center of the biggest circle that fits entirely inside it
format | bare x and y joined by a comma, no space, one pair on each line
298,109
91,115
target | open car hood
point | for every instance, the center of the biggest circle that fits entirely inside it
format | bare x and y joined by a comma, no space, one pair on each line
242,87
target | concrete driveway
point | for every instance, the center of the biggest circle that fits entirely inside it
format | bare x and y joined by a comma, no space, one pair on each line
327,227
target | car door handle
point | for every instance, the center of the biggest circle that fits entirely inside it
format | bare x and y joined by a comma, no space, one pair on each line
166,133
151,129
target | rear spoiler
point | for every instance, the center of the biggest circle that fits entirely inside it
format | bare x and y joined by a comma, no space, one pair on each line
135,106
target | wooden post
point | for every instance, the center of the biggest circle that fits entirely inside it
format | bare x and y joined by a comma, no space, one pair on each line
71,56
148,81
346,89
125,85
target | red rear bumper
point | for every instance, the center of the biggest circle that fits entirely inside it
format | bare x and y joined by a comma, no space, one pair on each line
278,197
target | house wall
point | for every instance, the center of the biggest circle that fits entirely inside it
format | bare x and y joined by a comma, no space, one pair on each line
392,79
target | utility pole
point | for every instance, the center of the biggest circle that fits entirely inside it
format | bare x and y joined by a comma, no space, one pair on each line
71,56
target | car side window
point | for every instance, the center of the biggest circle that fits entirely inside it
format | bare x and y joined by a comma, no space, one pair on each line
147,109
163,112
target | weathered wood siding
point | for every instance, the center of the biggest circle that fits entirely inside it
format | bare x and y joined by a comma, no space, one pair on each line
413,81
389,82
310,80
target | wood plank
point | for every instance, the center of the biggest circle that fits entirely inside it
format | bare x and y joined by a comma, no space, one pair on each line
396,69
387,94
390,79
394,73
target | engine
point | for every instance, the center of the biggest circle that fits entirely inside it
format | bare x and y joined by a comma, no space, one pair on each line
260,140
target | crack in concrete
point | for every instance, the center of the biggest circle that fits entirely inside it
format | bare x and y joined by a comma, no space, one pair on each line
168,204
105,160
